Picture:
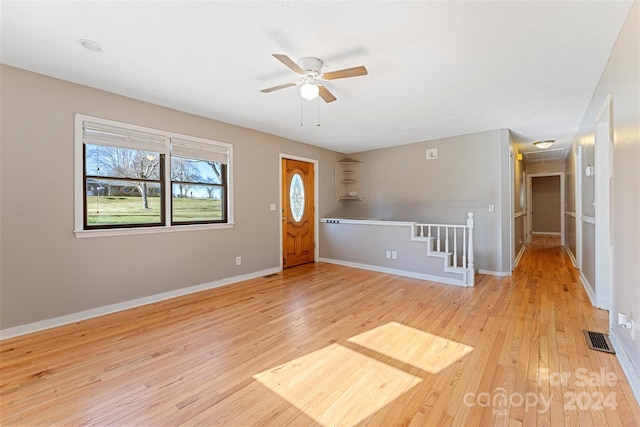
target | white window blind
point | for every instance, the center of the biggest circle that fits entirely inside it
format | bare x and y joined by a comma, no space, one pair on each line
200,150
101,134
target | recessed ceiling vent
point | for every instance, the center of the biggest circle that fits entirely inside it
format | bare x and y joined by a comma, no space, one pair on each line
545,155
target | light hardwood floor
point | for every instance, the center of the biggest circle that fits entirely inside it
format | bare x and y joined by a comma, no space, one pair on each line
323,344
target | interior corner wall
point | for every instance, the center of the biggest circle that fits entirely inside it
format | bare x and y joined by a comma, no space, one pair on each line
620,79
504,205
399,183
47,272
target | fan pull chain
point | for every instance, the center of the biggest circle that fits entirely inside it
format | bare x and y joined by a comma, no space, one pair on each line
318,124
301,120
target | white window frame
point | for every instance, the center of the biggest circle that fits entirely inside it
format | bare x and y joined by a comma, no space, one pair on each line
79,189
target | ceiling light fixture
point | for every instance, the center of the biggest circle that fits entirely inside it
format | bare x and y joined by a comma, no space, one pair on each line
309,90
91,46
544,144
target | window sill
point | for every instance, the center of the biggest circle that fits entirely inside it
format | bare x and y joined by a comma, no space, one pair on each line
81,234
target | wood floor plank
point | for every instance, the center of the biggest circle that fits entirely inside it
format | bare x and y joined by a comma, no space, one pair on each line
323,344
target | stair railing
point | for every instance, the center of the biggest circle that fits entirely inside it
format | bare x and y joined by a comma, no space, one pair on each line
447,235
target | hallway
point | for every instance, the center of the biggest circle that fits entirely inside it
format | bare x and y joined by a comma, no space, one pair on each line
559,309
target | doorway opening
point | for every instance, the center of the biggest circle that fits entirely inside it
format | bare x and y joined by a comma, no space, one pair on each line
545,205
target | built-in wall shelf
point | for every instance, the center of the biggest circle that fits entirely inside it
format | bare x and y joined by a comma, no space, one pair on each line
346,180
349,198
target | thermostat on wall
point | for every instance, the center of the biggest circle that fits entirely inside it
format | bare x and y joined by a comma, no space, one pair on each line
432,153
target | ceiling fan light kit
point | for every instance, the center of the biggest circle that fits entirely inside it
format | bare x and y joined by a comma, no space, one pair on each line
311,71
309,91
543,145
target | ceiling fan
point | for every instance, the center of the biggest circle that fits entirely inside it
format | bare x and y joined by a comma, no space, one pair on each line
311,71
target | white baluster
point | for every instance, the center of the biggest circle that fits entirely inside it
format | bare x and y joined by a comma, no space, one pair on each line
438,240
455,247
446,239
464,247
421,230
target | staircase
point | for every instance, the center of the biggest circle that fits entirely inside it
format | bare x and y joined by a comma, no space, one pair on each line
453,243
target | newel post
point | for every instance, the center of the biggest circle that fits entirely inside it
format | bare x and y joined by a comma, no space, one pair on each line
471,266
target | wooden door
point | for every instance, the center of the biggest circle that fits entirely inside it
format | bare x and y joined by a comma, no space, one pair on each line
298,242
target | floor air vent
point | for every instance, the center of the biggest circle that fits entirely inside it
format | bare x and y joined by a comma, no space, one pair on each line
598,341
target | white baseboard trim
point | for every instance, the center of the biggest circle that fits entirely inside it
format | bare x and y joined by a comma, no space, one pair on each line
517,260
405,273
587,288
571,256
546,233
112,308
495,273
632,375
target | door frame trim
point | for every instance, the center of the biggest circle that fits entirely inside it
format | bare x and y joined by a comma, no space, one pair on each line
579,155
316,216
603,164
512,210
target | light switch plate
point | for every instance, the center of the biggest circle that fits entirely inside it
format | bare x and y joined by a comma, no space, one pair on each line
431,153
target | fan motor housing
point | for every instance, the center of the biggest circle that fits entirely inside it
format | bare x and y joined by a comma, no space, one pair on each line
313,66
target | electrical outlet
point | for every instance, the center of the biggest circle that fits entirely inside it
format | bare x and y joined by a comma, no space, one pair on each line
394,255
492,208
238,260
272,207
388,254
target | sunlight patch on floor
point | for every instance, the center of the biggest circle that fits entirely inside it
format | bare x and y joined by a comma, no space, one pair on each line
339,384
411,346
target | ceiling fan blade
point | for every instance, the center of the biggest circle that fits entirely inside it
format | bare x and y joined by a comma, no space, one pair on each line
326,95
289,63
347,72
271,89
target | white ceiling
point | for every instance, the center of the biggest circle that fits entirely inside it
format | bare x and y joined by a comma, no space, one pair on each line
436,69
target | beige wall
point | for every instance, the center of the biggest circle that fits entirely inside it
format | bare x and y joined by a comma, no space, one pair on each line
621,80
470,173
47,272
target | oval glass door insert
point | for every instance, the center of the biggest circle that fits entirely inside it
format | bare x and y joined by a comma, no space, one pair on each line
296,197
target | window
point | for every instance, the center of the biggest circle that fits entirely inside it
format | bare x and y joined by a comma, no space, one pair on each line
198,182
134,178
296,197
